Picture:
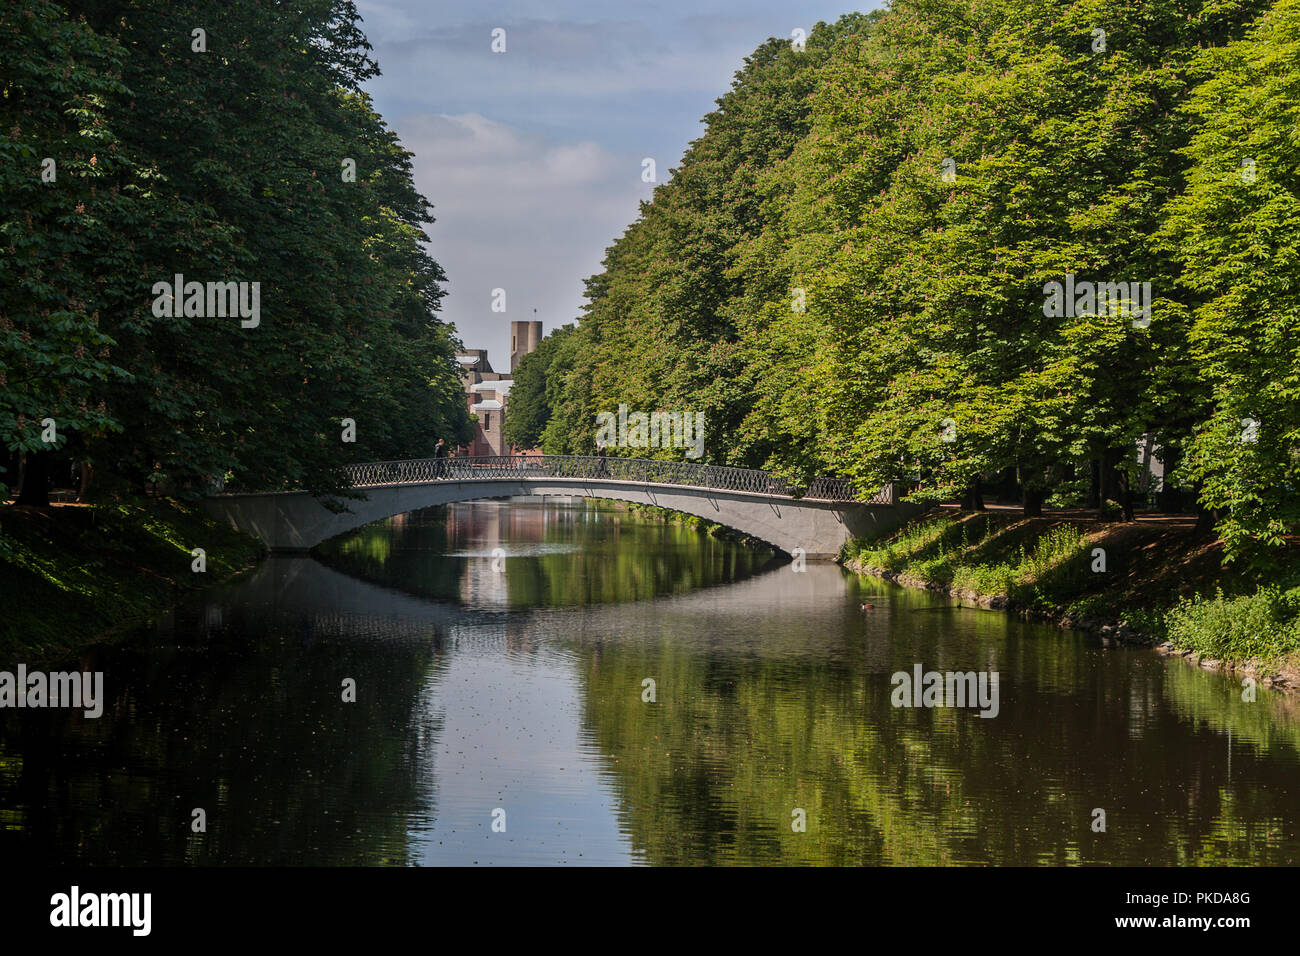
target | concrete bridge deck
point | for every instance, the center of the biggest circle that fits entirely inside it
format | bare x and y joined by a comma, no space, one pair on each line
818,519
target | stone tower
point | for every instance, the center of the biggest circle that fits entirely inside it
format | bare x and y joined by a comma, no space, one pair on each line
524,337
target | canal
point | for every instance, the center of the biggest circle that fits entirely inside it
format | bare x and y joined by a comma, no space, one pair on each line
564,682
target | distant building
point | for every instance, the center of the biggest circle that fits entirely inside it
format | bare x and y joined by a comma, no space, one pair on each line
524,338
487,392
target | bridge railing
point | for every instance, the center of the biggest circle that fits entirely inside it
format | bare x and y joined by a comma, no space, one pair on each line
720,477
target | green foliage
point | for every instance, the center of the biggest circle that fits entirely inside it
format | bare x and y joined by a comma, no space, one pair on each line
1236,228
974,555
1148,584
1264,625
667,327
533,391
58,80
1055,568
220,165
91,569
814,279
1110,510
929,537
932,292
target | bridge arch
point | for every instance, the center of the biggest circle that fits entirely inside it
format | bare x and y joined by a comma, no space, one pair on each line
297,521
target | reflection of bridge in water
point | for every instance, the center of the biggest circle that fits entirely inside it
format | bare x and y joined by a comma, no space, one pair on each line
299,596
818,518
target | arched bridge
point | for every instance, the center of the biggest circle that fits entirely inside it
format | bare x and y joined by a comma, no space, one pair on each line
818,518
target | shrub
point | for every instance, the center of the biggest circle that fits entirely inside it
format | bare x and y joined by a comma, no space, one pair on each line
1264,625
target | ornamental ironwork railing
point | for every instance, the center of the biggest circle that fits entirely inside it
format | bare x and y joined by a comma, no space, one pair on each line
641,470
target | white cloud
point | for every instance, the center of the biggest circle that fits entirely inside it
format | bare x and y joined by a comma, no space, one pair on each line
532,158
573,59
516,211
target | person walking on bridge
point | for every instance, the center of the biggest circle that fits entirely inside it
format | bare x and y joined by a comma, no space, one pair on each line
440,459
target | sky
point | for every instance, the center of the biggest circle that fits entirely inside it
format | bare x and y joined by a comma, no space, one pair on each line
532,158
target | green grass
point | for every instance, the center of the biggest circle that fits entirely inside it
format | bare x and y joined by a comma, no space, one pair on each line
976,555
70,574
1165,583
1264,625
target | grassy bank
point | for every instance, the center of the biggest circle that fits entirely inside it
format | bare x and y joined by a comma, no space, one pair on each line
1153,581
70,573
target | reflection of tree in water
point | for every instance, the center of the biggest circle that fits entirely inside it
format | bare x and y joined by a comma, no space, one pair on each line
711,772
389,553
557,555
246,722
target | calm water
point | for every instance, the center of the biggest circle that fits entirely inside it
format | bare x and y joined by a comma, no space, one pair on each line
514,686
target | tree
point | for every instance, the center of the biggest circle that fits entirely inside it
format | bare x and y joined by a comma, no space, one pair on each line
247,155
665,325
58,158
1236,228
530,396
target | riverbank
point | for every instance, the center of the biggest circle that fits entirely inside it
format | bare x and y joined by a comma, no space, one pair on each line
73,574
1152,582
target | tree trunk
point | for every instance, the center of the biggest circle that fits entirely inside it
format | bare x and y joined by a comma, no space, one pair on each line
1007,486
1125,494
1094,489
974,499
1033,500
1109,478
36,480
86,478
1207,519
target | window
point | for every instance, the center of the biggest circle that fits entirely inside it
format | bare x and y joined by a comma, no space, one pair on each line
514,343
487,421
